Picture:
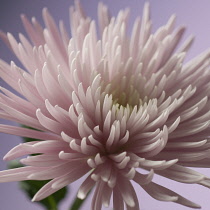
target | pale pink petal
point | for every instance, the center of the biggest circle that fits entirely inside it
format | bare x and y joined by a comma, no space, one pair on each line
106,104
164,194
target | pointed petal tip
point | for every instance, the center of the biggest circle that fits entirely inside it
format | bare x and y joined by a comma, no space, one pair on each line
22,161
147,4
192,37
81,195
198,206
38,111
182,29
2,33
9,35
35,198
22,16
174,198
131,203
6,158
106,204
193,205
173,16
45,10
173,161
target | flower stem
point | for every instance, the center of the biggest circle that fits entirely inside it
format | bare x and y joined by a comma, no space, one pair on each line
78,203
53,205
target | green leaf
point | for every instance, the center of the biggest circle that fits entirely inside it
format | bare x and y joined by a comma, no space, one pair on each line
31,187
78,202
26,139
14,164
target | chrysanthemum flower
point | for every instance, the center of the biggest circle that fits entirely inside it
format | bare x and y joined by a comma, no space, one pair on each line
107,106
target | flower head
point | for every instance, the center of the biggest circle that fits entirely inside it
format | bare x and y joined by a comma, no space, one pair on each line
106,106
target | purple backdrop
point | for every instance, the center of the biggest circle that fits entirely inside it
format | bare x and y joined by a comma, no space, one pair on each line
194,14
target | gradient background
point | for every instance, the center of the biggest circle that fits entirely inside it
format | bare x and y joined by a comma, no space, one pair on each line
194,14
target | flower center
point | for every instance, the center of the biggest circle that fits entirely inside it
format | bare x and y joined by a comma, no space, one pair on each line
127,90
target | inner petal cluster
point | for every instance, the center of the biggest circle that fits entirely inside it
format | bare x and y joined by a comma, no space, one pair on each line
104,105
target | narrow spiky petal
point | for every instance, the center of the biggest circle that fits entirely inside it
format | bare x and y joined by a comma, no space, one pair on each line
103,104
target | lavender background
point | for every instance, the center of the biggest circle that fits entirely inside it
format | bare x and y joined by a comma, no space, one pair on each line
194,14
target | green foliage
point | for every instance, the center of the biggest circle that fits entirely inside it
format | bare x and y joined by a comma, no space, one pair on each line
26,139
31,187
77,204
